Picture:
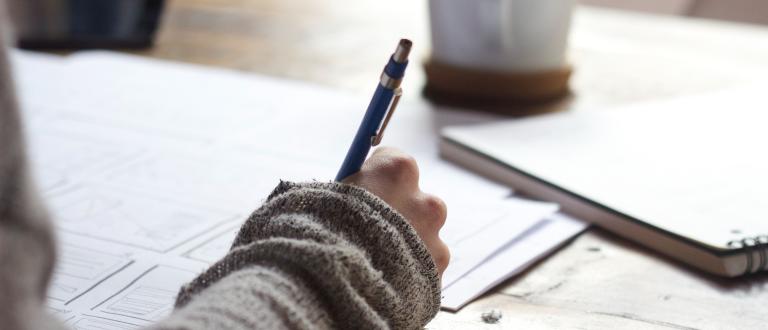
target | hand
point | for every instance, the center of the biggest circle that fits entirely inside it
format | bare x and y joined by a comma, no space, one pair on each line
394,177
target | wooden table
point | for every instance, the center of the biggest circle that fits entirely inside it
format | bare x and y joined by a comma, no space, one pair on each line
598,281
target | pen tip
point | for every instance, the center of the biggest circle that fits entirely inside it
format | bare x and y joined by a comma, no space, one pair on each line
402,51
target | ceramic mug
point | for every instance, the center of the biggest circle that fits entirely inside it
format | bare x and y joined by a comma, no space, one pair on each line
501,35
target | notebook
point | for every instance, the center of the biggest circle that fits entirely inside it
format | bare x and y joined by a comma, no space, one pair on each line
686,177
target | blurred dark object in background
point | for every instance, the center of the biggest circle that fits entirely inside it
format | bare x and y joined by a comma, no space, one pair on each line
78,24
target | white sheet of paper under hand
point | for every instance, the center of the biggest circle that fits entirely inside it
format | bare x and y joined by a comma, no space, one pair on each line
474,231
522,251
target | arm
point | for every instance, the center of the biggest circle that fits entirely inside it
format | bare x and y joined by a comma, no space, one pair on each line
328,255
26,241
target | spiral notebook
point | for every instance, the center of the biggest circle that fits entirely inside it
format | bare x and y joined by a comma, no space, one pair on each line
686,177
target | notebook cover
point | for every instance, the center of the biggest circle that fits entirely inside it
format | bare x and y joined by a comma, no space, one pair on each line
695,167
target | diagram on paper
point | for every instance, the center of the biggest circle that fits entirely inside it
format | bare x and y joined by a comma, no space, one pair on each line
150,297
197,178
88,322
227,179
80,269
214,249
56,157
131,218
60,313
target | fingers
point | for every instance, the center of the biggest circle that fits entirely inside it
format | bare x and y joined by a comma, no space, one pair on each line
433,214
389,174
394,176
431,210
427,214
441,255
394,166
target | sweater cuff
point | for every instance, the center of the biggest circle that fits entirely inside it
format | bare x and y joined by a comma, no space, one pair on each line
377,206
355,232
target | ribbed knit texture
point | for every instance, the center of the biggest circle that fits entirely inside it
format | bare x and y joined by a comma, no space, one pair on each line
316,256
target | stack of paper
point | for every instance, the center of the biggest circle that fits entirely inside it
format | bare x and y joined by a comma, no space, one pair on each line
150,167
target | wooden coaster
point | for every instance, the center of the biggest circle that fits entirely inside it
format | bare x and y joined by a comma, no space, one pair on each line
504,92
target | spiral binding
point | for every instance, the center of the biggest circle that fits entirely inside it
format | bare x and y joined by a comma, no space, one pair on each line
750,245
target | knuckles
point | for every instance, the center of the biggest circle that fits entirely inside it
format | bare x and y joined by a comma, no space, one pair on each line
442,258
399,174
399,168
434,209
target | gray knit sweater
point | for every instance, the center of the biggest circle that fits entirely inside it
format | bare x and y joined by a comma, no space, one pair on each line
314,256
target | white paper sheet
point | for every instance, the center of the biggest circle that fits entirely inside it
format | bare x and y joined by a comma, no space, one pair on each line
150,167
524,250
474,231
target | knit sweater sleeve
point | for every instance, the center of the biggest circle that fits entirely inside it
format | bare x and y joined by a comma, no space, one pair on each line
316,255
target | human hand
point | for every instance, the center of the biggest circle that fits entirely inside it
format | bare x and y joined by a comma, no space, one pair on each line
394,177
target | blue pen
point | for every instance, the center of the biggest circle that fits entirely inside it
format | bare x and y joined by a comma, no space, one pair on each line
379,111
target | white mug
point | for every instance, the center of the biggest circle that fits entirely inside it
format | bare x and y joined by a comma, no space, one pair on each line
507,35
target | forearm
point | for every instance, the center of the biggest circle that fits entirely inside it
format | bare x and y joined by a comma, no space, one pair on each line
317,256
26,241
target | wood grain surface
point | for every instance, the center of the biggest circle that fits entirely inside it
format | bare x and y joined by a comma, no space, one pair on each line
597,281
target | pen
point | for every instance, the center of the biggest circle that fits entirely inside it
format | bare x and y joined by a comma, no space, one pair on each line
379,112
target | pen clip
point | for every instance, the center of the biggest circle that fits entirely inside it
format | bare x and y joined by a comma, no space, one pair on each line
376,138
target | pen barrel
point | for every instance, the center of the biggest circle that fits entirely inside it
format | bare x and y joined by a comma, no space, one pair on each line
385,91
394,69
361,144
